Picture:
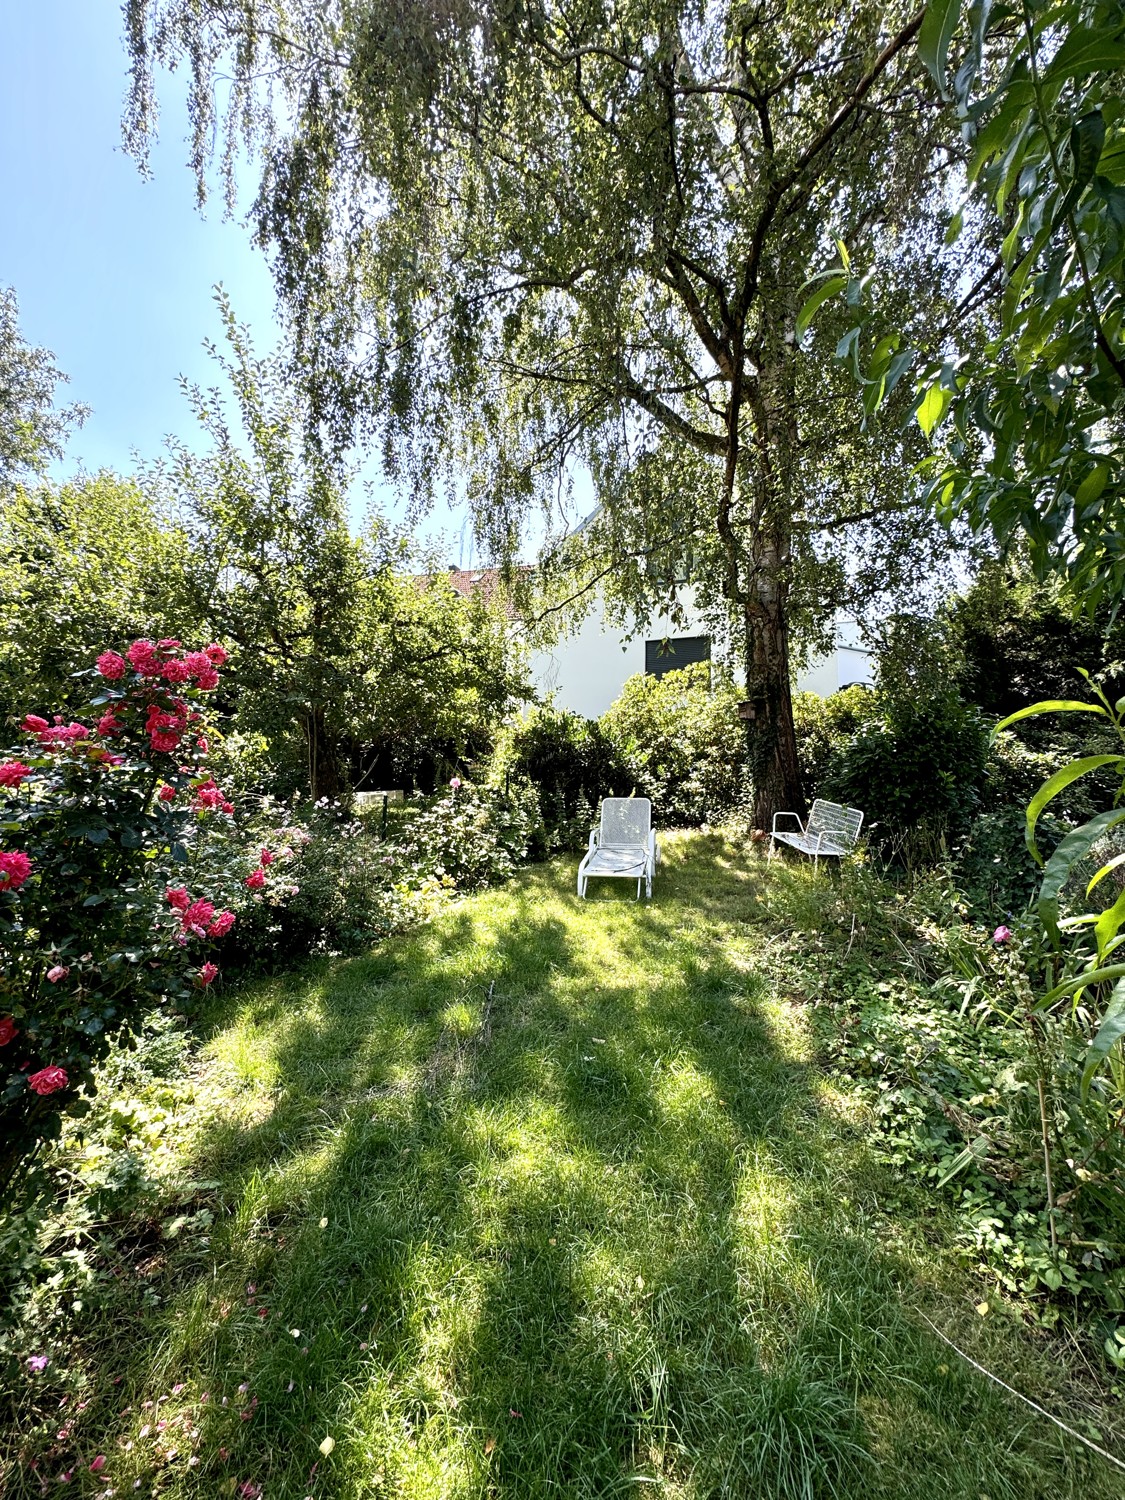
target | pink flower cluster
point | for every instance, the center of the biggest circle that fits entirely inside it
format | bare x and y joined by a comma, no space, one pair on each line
15,867
208,798
198,918
257,878
54,736
12,772
163,660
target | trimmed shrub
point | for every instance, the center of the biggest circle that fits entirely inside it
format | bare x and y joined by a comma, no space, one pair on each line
681,740
825,727
570,762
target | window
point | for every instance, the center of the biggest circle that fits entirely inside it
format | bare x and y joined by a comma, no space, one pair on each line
674,652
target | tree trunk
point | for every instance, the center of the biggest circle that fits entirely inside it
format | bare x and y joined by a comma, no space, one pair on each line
325,779
775,776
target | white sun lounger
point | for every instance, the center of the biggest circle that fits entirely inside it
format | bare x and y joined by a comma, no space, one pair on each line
624,846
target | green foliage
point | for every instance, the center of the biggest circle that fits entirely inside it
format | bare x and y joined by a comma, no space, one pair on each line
916,773
82,565
350,668
32,428
682,743
1021,642
572,764
1027,431
825,727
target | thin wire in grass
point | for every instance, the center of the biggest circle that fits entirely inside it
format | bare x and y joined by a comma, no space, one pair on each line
1043,1412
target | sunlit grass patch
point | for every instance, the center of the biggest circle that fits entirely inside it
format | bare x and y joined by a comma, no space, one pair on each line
548,1199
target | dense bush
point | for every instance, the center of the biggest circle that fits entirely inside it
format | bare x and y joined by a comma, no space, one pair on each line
825,727
104,906
571,764
917,774
682,742
339,884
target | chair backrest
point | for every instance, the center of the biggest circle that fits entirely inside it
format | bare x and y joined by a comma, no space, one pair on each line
625,822
840,824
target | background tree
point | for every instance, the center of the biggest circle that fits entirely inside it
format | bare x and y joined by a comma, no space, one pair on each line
84,566
510,239
32,428
343,660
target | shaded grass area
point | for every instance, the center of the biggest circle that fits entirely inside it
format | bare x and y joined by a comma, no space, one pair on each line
550,1199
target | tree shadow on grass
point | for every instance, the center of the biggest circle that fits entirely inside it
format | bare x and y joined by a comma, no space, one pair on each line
544,1200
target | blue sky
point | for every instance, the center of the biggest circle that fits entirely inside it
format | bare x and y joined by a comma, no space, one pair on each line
113,272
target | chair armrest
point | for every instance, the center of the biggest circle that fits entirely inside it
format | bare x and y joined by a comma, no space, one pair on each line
792,815
593,844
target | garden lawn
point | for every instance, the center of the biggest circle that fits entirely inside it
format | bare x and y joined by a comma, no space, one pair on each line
550,1198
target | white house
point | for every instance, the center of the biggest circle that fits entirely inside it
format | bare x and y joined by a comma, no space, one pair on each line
586,669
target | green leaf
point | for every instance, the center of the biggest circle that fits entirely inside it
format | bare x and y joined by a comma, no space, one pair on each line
1074,847
1059,783
830,288
1080,982
935,35
1087,137
1108,925
932,407
1085,52
1091,487
1109,1033
1048,706
1106,869
130,839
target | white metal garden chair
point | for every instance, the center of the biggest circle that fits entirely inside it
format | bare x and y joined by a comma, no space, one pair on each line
623,847
831,831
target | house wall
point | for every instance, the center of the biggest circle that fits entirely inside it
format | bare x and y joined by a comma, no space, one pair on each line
586,670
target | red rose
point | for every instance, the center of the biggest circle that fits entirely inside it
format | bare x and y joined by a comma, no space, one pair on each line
12,772
111,666
48,1080
14,870
256,880
8,1030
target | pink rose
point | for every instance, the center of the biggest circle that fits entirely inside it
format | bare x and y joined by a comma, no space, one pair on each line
109,723
256,880
168,644
221,925
207,974
12,772
34,724
111,666
216,655
48,1080
267,859
1002,935
177,897
144,658
175,671
167,793
196,918
8,1030
455,784
58,973
14,870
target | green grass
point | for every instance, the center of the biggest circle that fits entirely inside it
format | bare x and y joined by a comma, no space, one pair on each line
550,1199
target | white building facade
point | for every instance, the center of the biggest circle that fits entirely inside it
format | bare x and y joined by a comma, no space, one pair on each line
586,670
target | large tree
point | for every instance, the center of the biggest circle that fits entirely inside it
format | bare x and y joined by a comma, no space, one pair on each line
510,237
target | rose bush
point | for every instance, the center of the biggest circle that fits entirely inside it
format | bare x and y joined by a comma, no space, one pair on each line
101,821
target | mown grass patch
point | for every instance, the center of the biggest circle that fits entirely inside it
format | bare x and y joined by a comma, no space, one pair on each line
548,1198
